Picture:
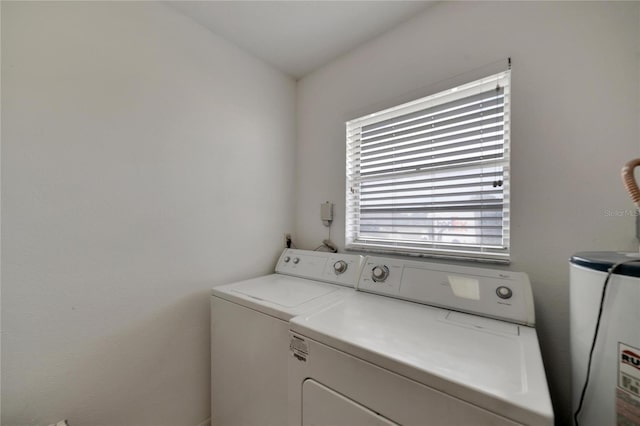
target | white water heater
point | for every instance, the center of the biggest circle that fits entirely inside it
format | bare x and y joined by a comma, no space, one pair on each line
612,396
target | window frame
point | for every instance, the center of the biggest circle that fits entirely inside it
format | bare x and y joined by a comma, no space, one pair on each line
483,252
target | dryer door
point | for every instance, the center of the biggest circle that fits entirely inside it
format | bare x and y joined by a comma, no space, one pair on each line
322,406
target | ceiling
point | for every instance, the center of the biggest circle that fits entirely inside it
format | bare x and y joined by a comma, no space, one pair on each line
299,36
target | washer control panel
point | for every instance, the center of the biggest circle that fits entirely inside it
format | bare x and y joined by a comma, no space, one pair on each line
336,268
493,293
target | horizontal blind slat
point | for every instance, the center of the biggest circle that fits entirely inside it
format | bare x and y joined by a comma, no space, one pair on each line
477,147
434,142
478,121
433,111
465,159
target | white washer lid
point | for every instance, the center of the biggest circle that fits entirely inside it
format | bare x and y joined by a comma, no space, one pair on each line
282,296
490,363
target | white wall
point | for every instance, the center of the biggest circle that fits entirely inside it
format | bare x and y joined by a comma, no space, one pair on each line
144,160
574,113
0,225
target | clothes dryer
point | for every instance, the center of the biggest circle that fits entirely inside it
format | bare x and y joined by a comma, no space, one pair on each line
460,349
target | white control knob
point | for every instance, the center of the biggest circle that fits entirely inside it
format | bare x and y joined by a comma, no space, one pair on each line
379,273
340,267
296,260
286,259
504,292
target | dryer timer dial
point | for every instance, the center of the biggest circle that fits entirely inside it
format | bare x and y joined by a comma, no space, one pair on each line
379,273
504,292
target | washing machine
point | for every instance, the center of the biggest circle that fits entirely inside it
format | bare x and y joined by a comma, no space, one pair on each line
249,332
421,344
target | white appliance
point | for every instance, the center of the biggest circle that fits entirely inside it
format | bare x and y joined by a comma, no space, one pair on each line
249,332
472,358
613,394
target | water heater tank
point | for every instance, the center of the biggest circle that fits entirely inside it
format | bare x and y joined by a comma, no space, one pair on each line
613,393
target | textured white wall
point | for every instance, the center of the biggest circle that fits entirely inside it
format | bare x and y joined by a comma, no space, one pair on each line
144,160
574,124
0,223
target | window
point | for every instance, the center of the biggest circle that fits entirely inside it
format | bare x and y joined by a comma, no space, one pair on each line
431,177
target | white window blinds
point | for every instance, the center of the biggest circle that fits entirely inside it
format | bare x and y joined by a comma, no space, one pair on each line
431,177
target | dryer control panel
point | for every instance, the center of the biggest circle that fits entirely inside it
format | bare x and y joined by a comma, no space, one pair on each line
336,268
493,293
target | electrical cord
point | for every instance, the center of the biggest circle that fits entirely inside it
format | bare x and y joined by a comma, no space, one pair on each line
327,244
595,335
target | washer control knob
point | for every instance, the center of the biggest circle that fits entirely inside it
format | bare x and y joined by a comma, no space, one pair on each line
286,259
379,273
504,292
296,260
340,267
